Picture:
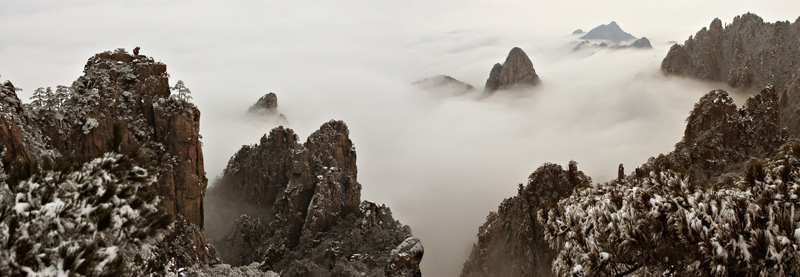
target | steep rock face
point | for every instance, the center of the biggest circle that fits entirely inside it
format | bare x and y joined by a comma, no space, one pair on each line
511,242
720,137
123,103
790,106
610,31
21,141
267,107
517,70
748,53
13,143
297,196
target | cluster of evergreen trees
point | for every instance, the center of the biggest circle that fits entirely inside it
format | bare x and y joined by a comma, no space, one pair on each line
665,222
90,219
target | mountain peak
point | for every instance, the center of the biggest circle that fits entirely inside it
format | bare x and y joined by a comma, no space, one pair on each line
611,32
516,70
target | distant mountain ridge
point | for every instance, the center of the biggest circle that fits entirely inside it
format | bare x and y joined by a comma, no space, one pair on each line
610,31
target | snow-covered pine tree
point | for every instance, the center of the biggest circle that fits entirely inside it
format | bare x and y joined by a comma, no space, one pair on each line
664,222
183,93
84,220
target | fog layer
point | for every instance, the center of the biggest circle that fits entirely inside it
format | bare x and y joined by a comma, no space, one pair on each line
441,163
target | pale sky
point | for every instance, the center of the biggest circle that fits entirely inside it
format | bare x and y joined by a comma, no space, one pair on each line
441,164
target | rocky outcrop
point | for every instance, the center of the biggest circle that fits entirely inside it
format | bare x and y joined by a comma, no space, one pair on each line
445,85
511,242
303,201
516,71
610,31
720,137
123,103
748,53
267,107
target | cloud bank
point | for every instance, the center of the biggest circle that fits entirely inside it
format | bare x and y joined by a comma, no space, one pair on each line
440,163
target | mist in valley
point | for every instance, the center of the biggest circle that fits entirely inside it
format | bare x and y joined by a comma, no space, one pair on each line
441,162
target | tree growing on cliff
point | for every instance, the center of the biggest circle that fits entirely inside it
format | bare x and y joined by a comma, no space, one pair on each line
666,223
96,219
183,93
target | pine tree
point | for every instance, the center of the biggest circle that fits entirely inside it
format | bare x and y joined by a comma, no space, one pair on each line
183,93
94,219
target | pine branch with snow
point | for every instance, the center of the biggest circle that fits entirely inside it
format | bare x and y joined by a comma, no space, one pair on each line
97,220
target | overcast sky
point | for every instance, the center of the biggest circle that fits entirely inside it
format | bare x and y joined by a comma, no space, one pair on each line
440,163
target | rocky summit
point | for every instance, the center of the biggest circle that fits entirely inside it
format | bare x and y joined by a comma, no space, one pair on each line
123,103
747,53
610,31
296,208
516,71
267,107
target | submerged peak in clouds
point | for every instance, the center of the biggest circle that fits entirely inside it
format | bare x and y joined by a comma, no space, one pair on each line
267,108
642,43
610,31
517,70
445,85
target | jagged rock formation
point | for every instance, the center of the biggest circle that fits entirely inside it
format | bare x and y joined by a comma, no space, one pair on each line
267,107
611,32
578,32
748,53
511,242
444,84
720,138
301,210
517,70
123,103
